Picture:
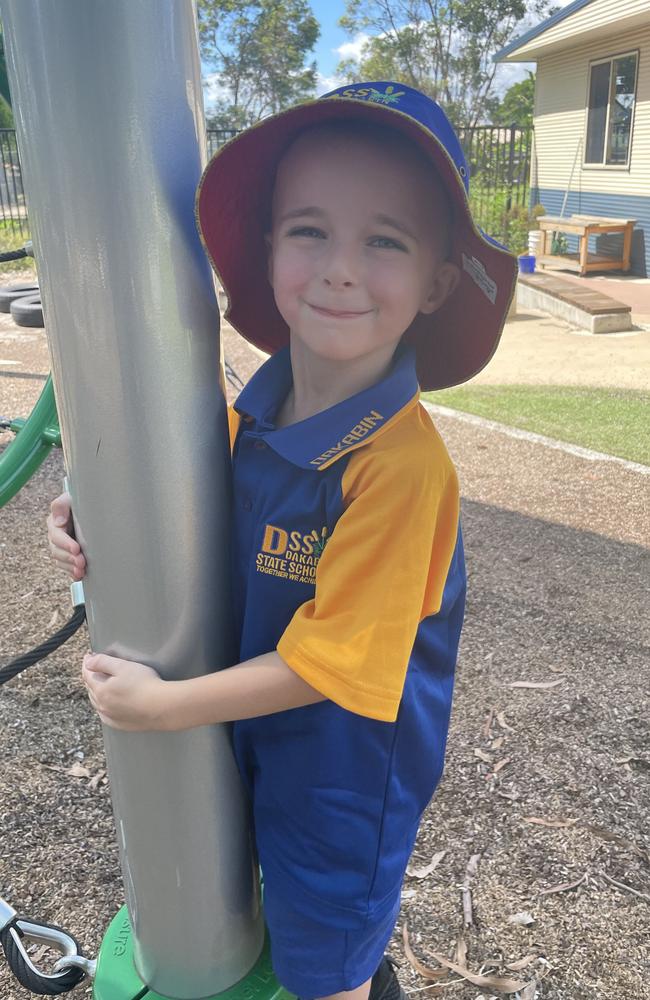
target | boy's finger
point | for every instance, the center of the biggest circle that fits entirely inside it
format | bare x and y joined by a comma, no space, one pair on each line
61,508
100,663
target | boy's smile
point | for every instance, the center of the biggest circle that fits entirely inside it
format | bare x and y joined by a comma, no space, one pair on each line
354,250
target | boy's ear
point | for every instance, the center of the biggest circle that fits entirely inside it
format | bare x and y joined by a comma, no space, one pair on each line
269,257
442,285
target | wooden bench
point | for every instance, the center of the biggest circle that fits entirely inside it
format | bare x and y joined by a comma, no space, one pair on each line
584,226
582,307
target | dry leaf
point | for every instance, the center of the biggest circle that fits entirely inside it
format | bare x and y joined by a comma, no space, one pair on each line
521,963
96,778
427,869
523,919
501,719
53,620
408,893
536,684
557,670
78,771
563,886
498,743
483,755
460,950
499,983
529,992
556,824
488,723
433,975
501,764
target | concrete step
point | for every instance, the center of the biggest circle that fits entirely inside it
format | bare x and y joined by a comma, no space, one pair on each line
582,307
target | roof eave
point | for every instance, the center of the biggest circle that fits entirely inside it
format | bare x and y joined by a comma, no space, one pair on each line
507,53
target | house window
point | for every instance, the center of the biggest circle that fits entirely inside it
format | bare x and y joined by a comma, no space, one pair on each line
612,85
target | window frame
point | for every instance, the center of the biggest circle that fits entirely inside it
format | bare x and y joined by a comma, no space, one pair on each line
599,62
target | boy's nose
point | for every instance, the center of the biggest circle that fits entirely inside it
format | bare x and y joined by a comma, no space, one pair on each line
341,268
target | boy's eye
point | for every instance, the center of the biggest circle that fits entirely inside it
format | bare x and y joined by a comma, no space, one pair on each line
388,243
311,231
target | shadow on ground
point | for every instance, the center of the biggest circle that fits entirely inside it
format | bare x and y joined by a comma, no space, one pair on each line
546,603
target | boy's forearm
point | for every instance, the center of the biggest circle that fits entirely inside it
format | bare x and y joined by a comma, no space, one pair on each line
256,687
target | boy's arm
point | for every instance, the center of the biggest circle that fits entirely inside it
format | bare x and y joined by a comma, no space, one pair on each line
129,695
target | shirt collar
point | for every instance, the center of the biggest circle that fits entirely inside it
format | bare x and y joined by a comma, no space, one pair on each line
318,441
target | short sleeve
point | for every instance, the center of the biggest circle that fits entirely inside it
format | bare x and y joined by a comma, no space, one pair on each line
381,573
233,425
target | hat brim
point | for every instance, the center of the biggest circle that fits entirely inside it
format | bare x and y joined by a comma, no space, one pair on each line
233,215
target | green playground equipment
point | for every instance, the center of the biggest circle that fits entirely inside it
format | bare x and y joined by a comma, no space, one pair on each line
36,435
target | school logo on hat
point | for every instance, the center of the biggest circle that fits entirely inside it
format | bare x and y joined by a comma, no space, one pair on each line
388,96
232,210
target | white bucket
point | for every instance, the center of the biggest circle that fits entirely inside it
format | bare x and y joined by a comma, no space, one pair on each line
534,239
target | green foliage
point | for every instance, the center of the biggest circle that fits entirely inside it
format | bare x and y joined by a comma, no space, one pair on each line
442,47
6,114
516,107
509,225
559,244
259,51
12,239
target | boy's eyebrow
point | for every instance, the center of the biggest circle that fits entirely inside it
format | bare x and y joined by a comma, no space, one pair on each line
297,213
318,213
387,220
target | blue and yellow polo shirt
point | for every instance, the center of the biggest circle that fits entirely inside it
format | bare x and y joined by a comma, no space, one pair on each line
346,525
348,559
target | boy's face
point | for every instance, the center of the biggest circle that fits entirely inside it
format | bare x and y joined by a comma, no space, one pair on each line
353,250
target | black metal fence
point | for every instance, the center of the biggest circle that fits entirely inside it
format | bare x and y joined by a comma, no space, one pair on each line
13,213
498,157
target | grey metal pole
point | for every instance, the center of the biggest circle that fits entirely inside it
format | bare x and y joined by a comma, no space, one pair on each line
109,116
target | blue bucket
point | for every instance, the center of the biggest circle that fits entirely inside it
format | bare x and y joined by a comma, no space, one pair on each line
526,263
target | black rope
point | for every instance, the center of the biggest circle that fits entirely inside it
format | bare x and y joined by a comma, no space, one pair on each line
233,377
41,985
40,652
13,255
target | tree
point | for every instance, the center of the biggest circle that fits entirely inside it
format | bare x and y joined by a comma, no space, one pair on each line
259,51
442,47
516,107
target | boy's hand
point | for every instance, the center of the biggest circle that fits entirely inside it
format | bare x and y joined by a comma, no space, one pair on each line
126,695
65,549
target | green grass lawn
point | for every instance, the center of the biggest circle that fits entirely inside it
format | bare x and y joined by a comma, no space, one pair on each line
608,420
12,239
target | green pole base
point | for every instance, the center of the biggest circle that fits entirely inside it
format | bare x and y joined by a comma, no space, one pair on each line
116,978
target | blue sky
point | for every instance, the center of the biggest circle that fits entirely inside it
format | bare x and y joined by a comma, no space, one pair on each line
327,52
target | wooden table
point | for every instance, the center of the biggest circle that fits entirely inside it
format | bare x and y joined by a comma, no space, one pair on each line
584,226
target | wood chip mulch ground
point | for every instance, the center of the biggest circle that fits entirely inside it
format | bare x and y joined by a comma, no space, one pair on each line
531,874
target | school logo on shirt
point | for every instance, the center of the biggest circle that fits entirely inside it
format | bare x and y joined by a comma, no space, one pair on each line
292,555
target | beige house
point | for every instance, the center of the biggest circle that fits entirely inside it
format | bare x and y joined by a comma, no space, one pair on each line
592,114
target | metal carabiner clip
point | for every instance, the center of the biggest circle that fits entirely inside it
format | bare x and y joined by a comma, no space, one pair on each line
53,937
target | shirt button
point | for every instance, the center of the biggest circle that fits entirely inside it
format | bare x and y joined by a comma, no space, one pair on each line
247,503
259,444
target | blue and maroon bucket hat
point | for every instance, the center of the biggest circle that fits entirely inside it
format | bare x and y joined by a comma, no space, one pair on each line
233,208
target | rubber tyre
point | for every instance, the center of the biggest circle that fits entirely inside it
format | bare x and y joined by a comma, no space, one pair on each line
27,310
9,293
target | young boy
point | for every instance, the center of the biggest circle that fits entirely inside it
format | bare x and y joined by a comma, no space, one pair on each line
341,232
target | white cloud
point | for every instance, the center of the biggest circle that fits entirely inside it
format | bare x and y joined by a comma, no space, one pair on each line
327,83
353,49
213,90
509,73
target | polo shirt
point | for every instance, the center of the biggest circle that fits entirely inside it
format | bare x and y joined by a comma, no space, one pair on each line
346,527
347,559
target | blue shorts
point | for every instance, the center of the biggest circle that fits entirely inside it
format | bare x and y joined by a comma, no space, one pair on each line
337,800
